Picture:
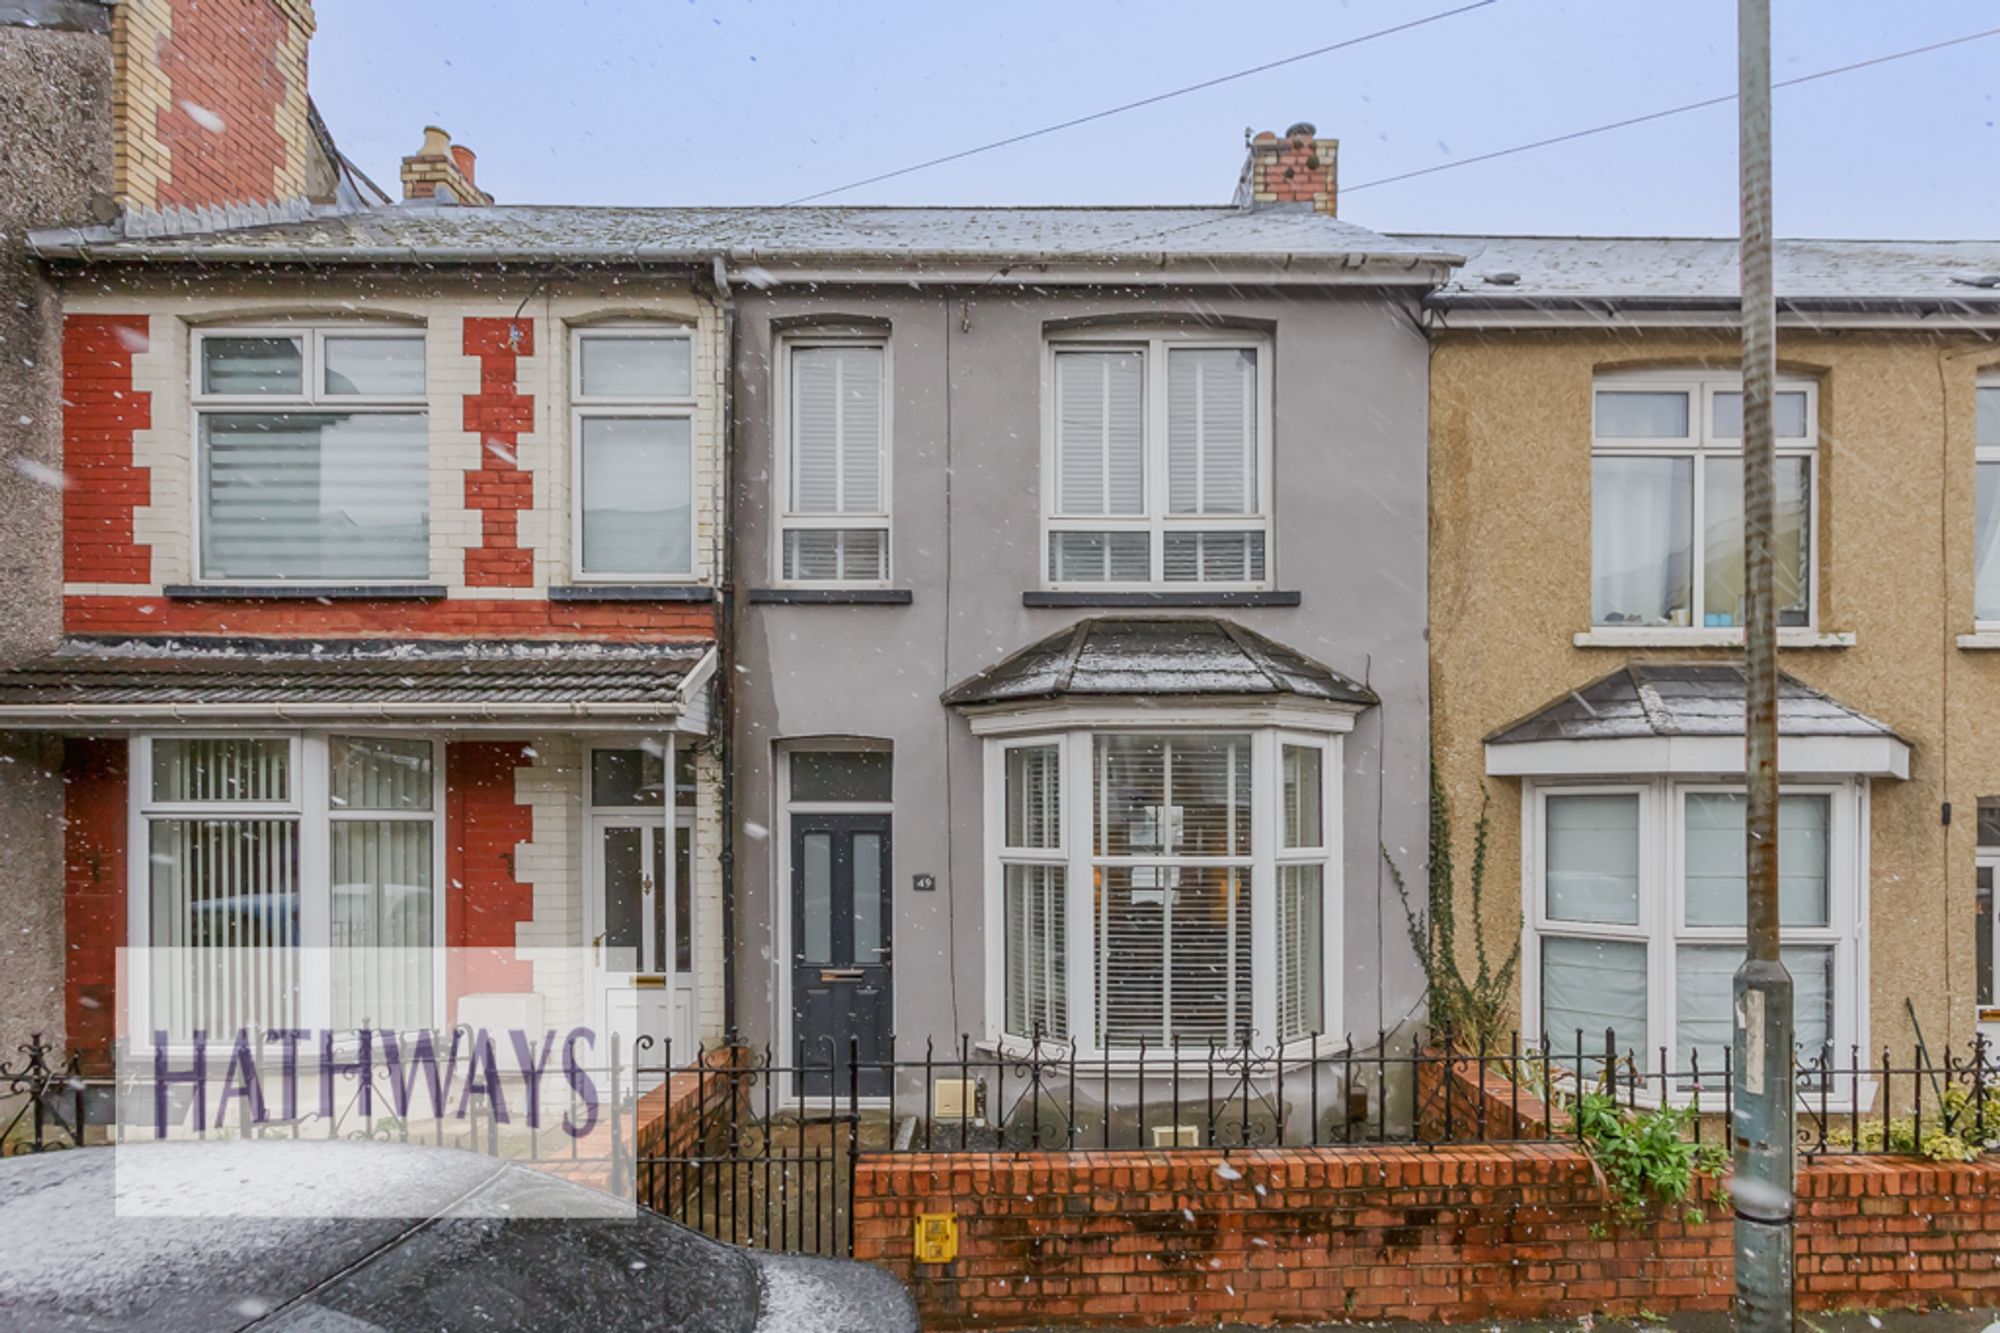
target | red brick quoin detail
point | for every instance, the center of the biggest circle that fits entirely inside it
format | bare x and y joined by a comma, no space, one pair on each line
222,57
101,410
615,622
485,900
94,889
499,489
1288,1236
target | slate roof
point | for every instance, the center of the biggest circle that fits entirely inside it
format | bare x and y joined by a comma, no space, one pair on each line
278,679
1641,700
1505,271
433,233
1182,658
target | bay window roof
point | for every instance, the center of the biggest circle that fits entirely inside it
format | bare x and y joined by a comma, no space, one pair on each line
1688,718
273,681
1123,657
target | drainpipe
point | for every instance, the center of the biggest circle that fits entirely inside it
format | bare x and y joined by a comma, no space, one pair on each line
725,634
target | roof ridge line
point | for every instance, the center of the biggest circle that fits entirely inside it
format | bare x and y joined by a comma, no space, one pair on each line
1079,635
1258,657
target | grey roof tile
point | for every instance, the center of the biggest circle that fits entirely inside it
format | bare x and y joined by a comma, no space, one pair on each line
103,676
436,233
1173,657
1701,699
1529,270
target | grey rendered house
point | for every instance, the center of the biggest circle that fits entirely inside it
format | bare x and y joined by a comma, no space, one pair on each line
1078,624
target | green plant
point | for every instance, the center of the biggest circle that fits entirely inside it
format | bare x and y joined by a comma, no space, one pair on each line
1959,1134
1645,1156
1467,1008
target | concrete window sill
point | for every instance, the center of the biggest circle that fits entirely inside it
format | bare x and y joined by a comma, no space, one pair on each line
1980,639
282,592
1614,636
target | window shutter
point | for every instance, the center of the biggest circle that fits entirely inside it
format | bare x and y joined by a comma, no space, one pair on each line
1100,432
1211,431
1037,989
837,430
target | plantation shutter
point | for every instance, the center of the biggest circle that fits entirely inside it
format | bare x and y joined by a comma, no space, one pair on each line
1211,431
1036,935
837,430
1100,433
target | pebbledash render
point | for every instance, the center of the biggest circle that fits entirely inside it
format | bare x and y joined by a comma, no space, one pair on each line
1586,580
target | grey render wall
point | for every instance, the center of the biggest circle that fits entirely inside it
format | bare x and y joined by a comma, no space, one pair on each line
55,155
1350,418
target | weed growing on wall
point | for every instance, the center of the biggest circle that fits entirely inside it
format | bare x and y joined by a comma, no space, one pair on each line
1468,1009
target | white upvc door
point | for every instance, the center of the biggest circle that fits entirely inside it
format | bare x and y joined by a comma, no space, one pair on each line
632,945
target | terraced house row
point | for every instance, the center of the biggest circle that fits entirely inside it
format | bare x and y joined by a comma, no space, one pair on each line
883,627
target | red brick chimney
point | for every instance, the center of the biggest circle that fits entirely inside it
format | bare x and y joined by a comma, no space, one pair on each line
441,169
1296,171
209,103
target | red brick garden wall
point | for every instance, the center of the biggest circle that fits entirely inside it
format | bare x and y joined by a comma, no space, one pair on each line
1283,1236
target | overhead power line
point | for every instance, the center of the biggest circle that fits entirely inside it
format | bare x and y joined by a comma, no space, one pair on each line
1630,121
1142,102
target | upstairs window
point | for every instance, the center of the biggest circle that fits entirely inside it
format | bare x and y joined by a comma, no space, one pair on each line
1986,438
1667,502
834,527
1159,463
632,424
313,455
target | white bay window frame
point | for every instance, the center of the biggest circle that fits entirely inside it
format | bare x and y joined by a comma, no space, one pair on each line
791,518
1662,918
1074,732
586,407
1700,444
1156,519
307,803
312,398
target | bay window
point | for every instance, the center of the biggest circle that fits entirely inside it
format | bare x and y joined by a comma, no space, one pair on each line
632,418
1636,917
1154,888
1667,502
313,455
833,527
286,881
1158,464
1986,512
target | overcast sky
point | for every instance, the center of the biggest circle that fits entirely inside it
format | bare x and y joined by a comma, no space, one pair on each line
740,102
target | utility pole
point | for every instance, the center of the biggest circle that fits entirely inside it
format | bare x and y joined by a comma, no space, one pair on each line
1762,1131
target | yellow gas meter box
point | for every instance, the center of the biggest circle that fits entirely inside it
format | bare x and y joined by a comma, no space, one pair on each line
937,1238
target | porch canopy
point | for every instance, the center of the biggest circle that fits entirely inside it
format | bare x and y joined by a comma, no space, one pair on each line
1668,718
459,685
1192,658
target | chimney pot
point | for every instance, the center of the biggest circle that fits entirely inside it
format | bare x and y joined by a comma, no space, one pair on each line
466,160
1305,129
441,169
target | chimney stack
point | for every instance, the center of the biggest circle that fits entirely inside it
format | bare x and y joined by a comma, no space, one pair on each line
442,169
1297,171
209,105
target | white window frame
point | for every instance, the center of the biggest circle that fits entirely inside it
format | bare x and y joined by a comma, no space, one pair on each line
314,398
1701,444
788,519
1985,454
1662,805
1075,736
310,805
1986,856
1156,521
584,407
